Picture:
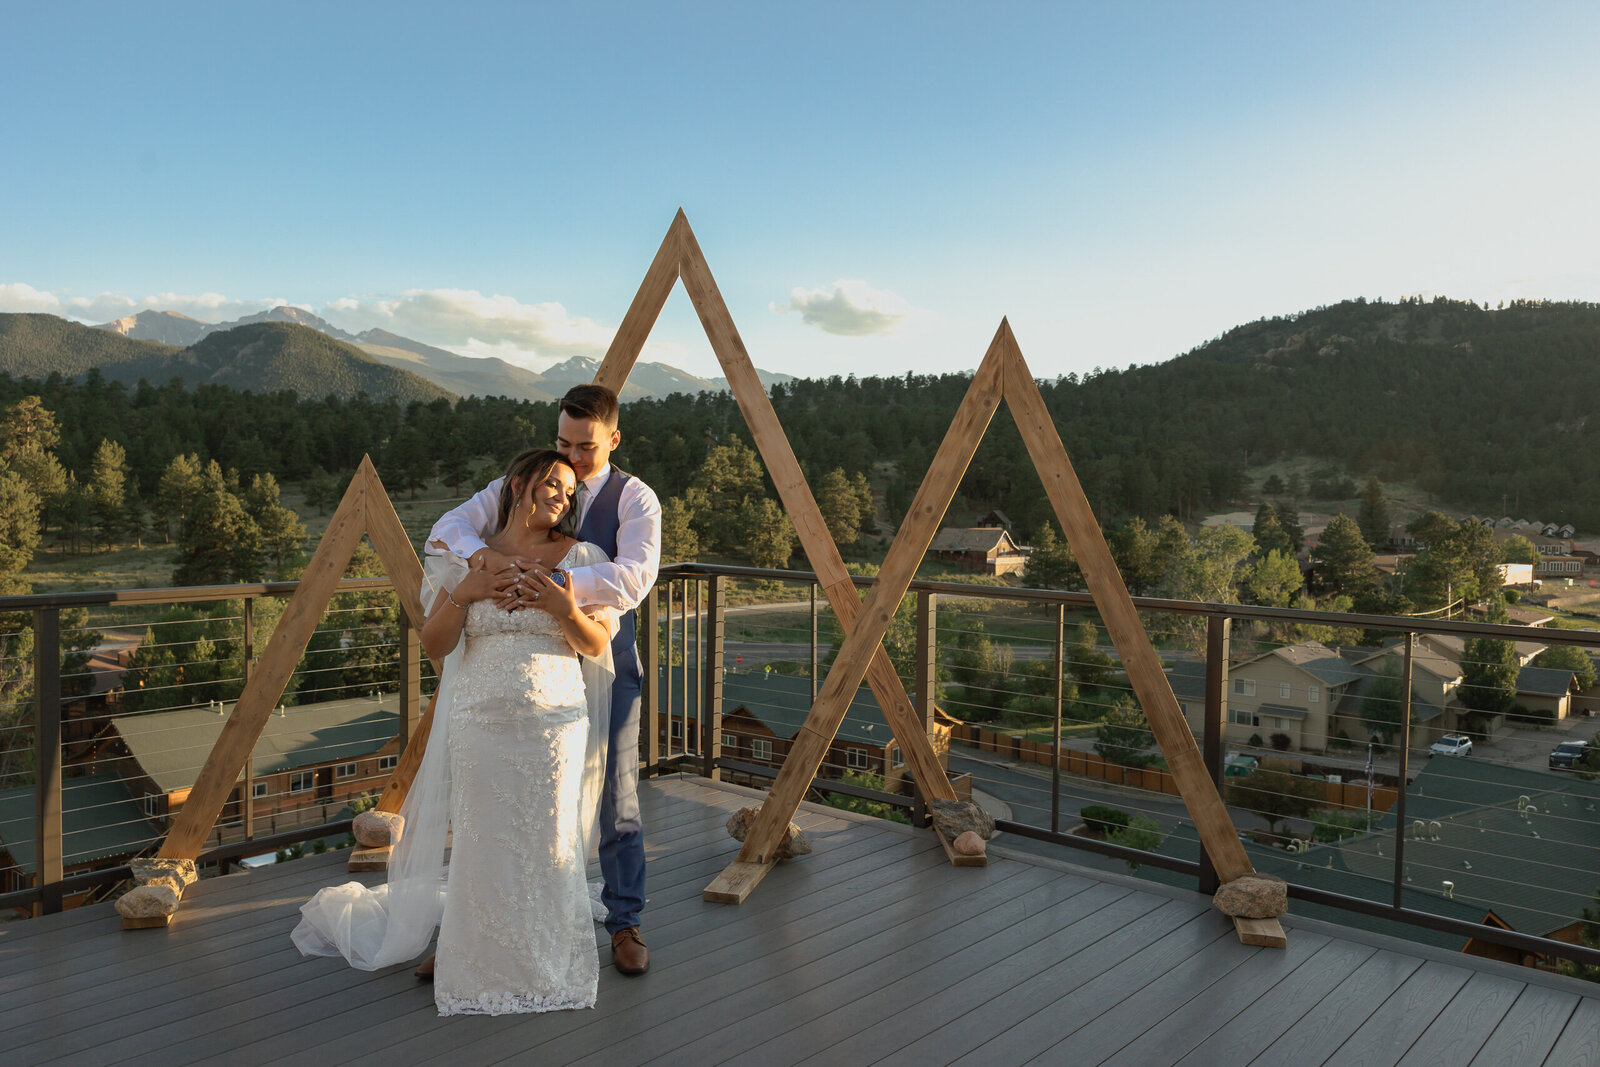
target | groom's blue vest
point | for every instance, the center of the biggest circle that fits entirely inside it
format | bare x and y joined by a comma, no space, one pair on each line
600,527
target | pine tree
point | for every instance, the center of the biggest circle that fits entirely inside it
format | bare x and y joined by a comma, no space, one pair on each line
1343,560
106,489
768,534
1373,518
1051,564
220,542
679,542
866,507
1289,519
1269,533
175,493
282,533
841,508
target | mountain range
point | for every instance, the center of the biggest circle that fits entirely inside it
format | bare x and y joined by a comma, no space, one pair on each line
460,375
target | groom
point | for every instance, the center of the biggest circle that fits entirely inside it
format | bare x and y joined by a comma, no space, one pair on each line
619,513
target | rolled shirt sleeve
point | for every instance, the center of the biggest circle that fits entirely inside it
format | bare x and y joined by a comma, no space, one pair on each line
461,530
625,581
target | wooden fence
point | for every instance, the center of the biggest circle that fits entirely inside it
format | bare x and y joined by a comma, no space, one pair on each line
1093,765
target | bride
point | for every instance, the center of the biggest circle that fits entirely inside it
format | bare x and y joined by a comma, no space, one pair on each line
514,759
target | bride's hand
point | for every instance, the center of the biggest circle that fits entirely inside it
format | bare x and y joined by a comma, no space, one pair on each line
548,595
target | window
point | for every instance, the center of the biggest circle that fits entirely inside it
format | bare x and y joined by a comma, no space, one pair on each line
855,758
1313,694
1277,724
387,763
1284,690
730,741
675,729
345,770
259,790
1244,687
1242,717
761,749
154,805
302,781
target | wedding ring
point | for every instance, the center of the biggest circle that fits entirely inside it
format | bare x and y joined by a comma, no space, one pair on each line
536,595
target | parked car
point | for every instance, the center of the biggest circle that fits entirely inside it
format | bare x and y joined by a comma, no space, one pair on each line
1238,765
1451,745
1567,755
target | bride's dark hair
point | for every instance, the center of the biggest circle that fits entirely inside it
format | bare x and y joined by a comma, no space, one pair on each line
527,469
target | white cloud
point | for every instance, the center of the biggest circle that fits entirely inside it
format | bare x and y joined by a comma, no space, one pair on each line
104,307
849,309
468,321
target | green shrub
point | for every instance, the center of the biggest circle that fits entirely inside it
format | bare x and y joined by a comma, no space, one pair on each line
1099,819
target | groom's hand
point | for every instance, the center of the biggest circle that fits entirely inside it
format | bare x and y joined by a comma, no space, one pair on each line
489,560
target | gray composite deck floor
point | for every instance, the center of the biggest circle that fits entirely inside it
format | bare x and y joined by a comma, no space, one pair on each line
871,950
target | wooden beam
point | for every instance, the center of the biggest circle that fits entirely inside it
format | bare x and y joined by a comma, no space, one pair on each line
1127,632
1268,933
405,771
810,743
628,341
265,687
393,545
801,506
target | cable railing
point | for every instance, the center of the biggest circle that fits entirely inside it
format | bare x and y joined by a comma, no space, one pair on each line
1316,728
120,708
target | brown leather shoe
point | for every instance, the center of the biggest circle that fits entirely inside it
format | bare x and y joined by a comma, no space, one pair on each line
628,951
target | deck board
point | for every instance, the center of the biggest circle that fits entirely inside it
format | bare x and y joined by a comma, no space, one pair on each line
871,950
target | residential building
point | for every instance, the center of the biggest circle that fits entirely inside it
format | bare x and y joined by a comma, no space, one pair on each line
984,549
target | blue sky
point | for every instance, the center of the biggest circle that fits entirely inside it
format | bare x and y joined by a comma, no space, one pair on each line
874,185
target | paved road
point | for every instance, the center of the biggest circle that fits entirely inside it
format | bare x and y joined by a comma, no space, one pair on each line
1025,788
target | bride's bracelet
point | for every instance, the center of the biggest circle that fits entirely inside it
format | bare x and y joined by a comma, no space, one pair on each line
450,597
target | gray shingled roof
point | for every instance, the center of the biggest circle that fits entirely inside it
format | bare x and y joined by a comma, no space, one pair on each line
1544,681
975,539
171,746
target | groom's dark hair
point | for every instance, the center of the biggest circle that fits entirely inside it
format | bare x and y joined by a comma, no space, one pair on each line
591,402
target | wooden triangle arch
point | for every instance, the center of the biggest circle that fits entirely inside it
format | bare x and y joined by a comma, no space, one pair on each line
366,509
1003,375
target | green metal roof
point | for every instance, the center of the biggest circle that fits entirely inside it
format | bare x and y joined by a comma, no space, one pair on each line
172,746
99,820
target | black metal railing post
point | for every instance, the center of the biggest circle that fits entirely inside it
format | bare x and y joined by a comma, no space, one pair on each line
47,757
814,642
1055,733
711,695
650,676
1219,636
1405,765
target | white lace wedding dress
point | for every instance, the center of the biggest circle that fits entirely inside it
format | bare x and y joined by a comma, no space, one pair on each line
517,932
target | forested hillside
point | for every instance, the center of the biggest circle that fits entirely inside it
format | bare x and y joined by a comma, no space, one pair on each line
261,357
1474,406
35,346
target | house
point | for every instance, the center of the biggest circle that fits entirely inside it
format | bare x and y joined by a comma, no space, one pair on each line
1314,694
310,761
763,711
1562,566
996,517
1290,690
984,549
102,825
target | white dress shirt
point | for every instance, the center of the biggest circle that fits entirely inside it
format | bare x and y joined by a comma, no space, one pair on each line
622,583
